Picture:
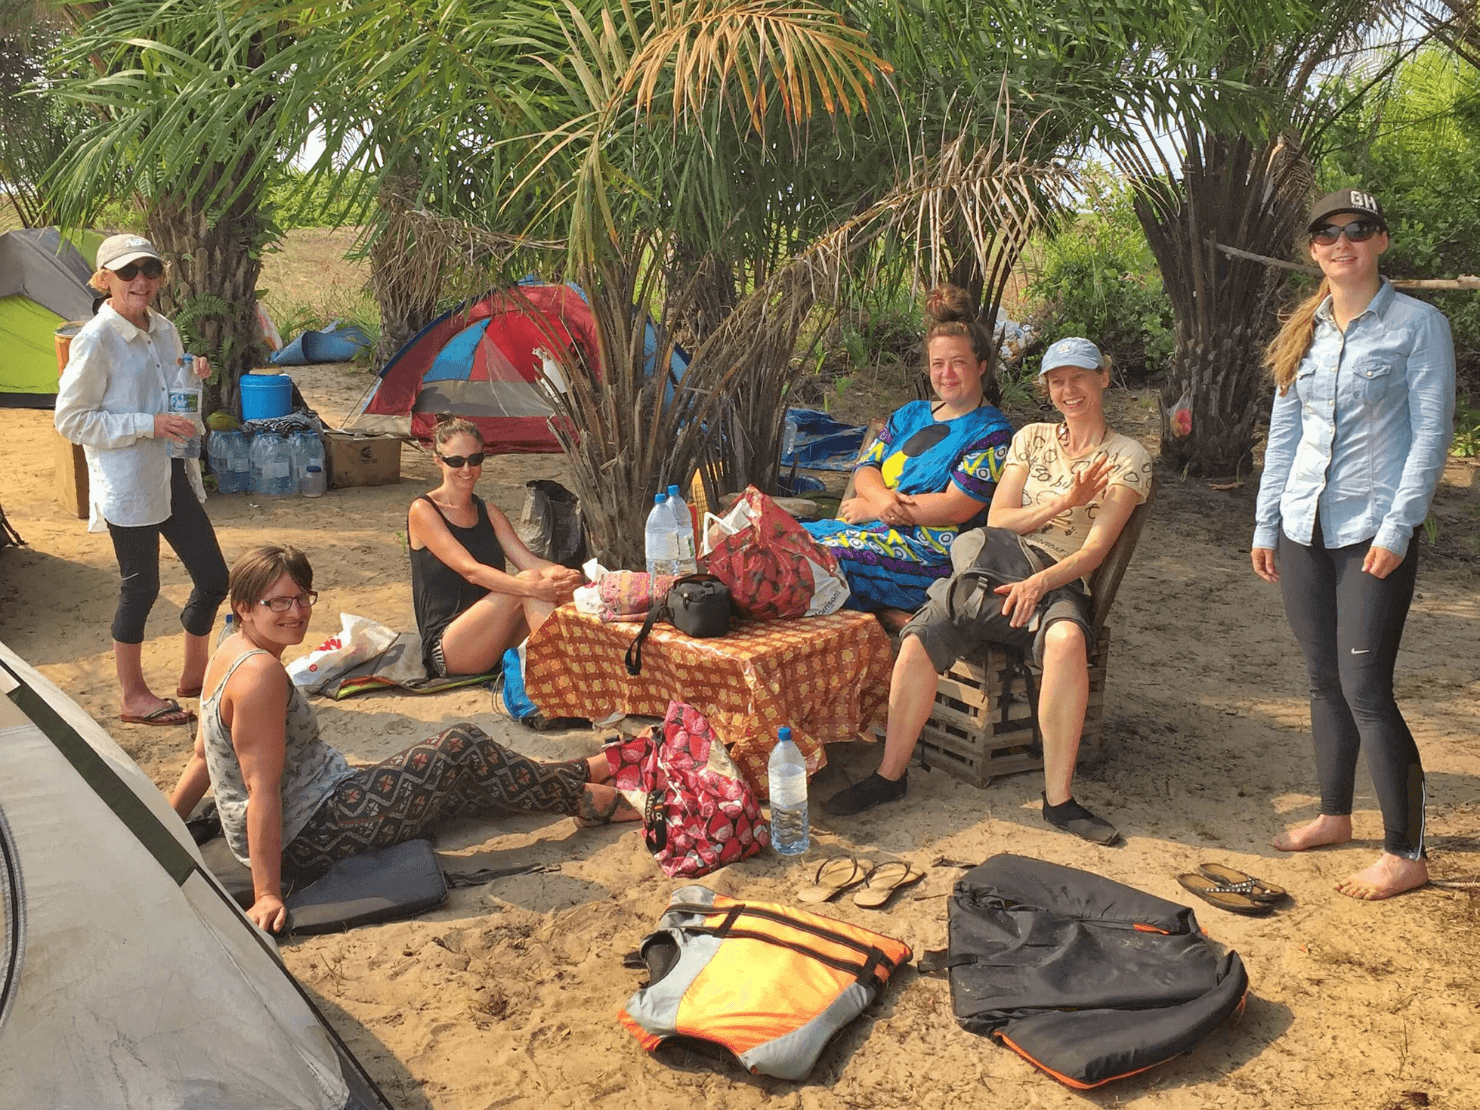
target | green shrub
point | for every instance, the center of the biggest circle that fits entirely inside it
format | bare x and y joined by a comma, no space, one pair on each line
1099,280
1417,152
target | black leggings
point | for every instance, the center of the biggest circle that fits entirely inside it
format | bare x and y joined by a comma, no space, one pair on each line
462,772
189,532
1349,625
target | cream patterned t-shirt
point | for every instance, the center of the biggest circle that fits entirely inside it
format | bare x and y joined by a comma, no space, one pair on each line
1038,450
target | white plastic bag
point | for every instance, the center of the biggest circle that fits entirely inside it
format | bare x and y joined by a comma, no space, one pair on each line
359,640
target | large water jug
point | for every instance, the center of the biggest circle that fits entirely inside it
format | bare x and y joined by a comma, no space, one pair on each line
272,466
683,525
308,451
231,461
660,538
787,783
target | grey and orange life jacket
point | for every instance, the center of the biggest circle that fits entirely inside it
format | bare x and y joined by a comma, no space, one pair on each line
771,983
1085,978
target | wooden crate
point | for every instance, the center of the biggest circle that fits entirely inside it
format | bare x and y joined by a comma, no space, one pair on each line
966,735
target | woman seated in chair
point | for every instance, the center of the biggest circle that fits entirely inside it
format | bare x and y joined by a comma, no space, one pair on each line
1066,492
469,610
931,472
290,803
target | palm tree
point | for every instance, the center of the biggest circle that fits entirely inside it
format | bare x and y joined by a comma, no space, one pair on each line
1237,173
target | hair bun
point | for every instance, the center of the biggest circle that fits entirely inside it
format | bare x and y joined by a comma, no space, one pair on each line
947,302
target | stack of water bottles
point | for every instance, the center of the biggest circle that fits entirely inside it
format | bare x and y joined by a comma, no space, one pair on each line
272,466
668,537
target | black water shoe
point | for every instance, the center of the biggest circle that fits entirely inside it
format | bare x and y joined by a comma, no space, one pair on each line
1073,817
867,793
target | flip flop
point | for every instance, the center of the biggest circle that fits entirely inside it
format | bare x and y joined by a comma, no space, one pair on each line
1256,889
1224,896
169,713
833,876
884,880
182,692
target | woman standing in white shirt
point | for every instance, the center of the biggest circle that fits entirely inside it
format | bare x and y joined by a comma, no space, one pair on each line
114,400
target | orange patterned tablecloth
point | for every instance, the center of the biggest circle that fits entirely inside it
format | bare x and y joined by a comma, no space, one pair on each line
826,677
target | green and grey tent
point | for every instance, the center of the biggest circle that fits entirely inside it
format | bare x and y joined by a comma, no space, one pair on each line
43,284
128,976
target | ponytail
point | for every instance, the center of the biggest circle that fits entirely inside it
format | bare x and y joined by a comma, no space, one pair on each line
1282,356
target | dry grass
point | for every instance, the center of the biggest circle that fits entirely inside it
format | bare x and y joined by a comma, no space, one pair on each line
309,276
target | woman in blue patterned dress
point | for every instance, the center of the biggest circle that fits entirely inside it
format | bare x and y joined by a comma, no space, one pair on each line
932,471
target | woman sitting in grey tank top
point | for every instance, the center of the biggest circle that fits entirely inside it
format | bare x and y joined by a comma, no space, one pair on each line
289,802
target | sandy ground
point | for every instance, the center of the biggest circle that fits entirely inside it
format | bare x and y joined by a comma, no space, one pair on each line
507,997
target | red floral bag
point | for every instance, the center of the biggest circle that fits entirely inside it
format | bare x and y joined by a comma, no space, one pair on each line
774,568
699,813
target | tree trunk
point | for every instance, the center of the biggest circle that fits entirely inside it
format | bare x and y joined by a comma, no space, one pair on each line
212,292
403,275
1215,381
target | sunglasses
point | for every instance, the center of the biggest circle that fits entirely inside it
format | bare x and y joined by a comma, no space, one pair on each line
1358,231
457,462
151,267
305,600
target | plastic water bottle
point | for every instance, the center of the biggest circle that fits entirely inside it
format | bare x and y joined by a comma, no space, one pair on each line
308,451
787,780
272,466
227,629
660,538
314,482
683,525
231,461
185,401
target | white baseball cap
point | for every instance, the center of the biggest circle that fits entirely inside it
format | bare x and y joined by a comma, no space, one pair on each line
117,251
1072,351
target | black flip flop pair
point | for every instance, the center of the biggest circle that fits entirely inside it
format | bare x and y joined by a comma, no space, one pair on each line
1233,890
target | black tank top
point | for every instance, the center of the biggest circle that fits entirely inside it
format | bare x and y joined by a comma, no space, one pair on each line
438,592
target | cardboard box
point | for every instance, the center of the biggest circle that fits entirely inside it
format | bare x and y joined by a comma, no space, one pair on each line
71,477
362,460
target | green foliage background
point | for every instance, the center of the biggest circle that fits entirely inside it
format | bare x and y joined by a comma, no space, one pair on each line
1100,281
1418,152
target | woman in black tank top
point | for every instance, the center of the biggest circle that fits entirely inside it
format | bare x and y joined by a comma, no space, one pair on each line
469,608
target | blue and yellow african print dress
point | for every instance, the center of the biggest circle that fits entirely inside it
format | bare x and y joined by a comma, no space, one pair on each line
915,453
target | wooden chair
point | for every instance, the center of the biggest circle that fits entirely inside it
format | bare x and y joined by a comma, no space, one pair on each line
969,736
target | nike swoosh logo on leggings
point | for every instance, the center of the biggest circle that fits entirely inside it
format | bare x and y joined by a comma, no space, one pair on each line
1364,651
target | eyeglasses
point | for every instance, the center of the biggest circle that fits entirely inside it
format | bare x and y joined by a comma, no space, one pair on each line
305,600
1358,231
457,462
153,268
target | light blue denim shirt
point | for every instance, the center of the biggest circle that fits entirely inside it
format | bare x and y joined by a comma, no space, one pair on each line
1363,433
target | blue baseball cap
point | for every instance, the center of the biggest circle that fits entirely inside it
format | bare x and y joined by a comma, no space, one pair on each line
1072,351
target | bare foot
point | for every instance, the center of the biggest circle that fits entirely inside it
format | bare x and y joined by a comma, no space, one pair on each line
1323,830
1388,876
602,805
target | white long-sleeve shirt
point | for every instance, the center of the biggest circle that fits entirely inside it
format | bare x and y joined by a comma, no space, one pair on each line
118,377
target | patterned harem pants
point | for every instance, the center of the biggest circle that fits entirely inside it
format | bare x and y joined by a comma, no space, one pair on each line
461,772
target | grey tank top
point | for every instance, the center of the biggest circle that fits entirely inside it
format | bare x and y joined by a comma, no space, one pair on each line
311,768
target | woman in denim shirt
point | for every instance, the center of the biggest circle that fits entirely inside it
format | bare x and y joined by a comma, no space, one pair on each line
1355,451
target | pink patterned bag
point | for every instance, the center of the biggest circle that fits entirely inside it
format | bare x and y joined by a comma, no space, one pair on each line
699,813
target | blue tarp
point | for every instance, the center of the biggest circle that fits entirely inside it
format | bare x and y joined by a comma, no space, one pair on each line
334,344
815,441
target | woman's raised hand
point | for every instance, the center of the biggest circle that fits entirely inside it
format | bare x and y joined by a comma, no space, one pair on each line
1089,483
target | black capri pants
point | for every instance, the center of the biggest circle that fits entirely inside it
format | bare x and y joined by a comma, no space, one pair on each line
1349,624
189,532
